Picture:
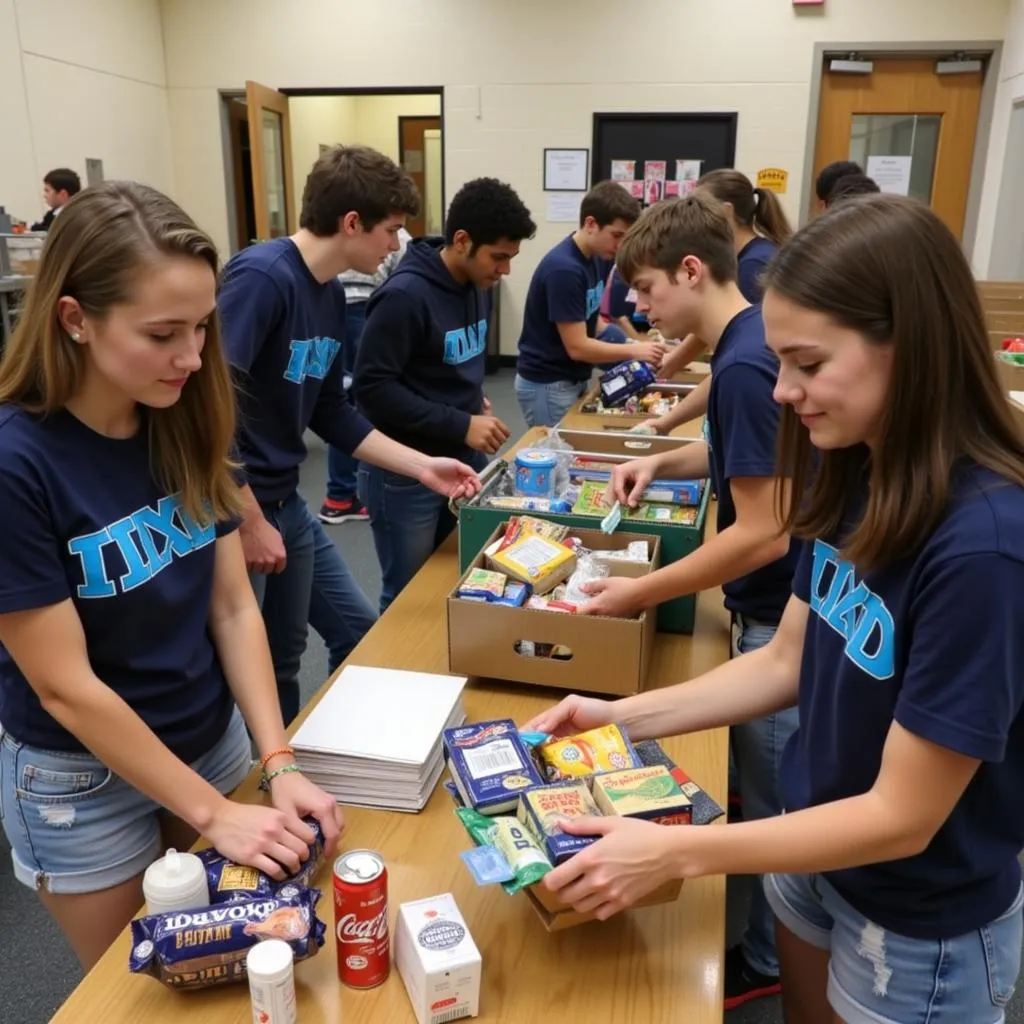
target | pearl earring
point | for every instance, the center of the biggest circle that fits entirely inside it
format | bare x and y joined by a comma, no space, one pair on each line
75,336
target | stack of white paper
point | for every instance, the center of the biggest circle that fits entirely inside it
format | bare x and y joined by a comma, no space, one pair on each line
375,738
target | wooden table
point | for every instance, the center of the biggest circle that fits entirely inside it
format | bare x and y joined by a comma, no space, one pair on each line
651,966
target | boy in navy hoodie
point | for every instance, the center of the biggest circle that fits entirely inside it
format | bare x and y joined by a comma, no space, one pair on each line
420,369
283,314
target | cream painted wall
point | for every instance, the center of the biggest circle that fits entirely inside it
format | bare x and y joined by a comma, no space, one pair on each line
317,120
1010,92
377,118
519,77
81,80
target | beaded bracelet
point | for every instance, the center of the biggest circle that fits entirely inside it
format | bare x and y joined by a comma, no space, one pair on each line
267,779
266,757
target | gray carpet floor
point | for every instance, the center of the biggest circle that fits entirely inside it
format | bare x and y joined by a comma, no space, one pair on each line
38,970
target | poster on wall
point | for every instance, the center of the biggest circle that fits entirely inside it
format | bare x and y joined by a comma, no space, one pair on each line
654,190
774,179
623,170
563,207
891,173
654,170
566,170
688,170
637,189
672,189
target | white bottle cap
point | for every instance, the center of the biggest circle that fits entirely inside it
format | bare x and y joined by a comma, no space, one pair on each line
269,960
177,881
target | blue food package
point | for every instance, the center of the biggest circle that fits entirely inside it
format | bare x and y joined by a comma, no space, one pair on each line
229,882
515,595
625,380
487,865
490,765
206,947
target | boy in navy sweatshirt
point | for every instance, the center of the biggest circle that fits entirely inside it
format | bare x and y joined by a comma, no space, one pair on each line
559,346
283,314
420,369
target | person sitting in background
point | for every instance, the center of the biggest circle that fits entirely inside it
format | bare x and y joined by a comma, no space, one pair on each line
852,185
283,313
132,651
58,188
558,347
618,308
342,504
830,176
420,372
759,228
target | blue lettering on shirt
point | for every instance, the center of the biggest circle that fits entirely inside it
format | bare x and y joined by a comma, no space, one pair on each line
147,541
594,296
465,343
854,611
311,358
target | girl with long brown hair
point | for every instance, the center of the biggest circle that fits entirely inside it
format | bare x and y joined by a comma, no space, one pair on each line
894,873
131,645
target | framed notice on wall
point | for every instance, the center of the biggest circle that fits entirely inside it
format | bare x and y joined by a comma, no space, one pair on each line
566,170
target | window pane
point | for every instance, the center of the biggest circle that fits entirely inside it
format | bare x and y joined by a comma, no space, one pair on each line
273,162
913,135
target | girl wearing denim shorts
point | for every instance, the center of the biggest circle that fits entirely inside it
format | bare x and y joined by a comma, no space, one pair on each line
131,645
893,874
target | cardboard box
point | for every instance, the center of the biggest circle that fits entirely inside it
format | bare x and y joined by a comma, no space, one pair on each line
615,420
477,522
608,655
437,960
556,916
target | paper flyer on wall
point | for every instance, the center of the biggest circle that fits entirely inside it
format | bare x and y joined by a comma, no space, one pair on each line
636,188
623,170
688,170
654,190
671,189
655,170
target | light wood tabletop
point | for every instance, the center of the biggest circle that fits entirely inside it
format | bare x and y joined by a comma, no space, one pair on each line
655,965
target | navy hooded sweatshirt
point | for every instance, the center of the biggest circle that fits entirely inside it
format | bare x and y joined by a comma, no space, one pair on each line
420,369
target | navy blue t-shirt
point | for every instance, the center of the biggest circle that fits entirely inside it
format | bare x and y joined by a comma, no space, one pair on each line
83,519
752,261
934,642
566,288
283,331
741,427
621,301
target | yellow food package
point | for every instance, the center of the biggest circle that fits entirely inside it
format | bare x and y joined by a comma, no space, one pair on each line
600,750
535,560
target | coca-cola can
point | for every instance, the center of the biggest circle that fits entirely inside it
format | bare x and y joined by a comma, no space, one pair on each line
361,919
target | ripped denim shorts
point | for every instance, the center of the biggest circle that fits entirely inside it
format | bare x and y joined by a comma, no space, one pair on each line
878,977
75,827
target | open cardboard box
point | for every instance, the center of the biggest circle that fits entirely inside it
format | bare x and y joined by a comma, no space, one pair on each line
622,420
557,916
608,655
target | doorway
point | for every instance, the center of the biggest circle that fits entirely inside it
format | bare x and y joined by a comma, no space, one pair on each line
909,126
412,155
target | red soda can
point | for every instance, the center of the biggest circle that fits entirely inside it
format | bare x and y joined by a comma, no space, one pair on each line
361,919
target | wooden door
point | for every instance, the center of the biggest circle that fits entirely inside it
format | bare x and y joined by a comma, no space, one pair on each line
412,155
271,148
903,108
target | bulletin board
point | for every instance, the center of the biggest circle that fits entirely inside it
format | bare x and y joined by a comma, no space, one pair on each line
643,138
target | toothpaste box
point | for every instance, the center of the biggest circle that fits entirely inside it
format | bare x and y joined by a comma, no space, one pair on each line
542,810
490,765
649,793
437,960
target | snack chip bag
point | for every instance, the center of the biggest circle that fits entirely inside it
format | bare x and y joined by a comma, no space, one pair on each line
600,750
520,850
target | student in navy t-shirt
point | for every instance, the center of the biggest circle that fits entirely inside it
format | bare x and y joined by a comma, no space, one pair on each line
128,627
759,227
894,874
420,373
680,259
558,347
618,307
283,311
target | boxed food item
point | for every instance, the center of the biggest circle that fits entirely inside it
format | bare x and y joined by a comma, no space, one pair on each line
624,381
489,765
535,560
437,960
545,646
542,810
647,792
483,585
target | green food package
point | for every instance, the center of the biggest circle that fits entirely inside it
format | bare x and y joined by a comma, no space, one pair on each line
516,845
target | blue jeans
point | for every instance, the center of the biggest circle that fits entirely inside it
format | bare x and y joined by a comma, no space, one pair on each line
757,749
315,586
544,405
614,335
341,467
409,523
76,827
879,977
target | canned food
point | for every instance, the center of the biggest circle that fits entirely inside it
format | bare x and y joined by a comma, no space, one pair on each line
361,919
